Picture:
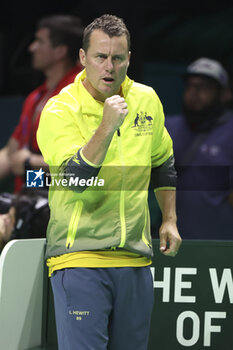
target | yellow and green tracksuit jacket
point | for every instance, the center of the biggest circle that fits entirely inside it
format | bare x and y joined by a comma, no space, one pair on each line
117,215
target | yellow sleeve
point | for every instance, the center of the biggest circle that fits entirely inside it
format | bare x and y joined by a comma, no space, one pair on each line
162,146
58,134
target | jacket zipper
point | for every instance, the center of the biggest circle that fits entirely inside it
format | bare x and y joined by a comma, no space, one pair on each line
122,194
73,225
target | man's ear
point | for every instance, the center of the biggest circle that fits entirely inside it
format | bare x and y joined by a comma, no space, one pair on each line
82,57
129,57
226,96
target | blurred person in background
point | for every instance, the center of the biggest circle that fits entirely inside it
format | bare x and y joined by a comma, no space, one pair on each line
203,149
23,215
55,54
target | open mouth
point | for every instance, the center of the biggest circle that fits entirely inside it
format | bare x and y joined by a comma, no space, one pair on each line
108,80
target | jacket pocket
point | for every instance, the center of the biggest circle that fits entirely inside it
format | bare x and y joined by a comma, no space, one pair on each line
73,225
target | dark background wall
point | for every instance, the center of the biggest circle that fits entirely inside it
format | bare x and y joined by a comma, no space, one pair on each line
162,31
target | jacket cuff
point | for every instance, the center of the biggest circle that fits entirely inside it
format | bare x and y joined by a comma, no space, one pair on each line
164,176
79,166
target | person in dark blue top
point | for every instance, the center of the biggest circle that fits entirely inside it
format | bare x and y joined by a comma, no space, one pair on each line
203,148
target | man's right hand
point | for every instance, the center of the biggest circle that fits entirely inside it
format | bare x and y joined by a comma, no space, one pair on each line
115,111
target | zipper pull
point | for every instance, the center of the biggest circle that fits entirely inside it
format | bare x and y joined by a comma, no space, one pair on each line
118,132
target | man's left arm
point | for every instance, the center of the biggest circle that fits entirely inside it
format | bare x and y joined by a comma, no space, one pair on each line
163,180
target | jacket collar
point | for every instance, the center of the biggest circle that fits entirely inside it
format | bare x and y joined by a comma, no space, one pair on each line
89,104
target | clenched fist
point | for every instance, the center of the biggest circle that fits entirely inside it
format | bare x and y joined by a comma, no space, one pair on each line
115,111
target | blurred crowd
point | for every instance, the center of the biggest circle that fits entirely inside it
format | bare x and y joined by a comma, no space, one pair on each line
203,148
54,53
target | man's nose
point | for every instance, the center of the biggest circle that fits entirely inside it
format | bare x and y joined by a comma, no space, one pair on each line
32,46
109,65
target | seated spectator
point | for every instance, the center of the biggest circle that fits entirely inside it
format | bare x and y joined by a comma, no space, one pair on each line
203,148
24,215
54,53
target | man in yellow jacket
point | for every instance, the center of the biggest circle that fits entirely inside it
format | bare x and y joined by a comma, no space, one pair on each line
105,138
